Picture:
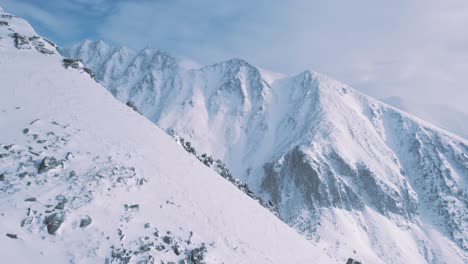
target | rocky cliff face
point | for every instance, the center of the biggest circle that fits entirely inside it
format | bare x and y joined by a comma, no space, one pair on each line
346,170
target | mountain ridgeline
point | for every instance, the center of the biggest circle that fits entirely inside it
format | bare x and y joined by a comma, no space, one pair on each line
346,170
85,179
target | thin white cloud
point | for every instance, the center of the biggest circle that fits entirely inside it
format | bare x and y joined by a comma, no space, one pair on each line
30,10
414,49
384,48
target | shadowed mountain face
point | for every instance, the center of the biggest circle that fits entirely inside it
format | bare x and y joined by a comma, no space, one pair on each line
344,169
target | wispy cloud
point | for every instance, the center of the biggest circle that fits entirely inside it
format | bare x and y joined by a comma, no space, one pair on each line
401,47
35,13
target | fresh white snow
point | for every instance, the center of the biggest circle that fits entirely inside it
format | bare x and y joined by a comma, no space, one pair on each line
358,177
116,167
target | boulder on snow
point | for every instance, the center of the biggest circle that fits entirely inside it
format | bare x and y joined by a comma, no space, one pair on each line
352,261
47,164
178,249
13,236
54,221
85,221
198,254
132,105
168,240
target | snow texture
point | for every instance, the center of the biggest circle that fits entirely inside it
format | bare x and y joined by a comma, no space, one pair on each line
358,177
85,179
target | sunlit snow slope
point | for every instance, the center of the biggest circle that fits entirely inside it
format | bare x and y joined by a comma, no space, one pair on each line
356,176
85,179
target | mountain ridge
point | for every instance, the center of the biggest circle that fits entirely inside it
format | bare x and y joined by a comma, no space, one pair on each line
85,179
321,151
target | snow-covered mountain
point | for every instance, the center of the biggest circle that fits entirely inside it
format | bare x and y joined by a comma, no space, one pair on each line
85,179
345,170
443,116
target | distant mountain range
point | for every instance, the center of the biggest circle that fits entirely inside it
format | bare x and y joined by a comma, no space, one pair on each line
354,175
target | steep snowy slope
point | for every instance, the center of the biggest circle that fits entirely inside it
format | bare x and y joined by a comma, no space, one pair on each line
443,116
85,179
392,188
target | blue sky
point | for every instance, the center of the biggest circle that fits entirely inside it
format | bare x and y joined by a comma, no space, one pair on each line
412,48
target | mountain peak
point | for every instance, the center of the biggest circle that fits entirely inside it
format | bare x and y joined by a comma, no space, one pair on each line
84,178
317,149
148,51
234,63
238,61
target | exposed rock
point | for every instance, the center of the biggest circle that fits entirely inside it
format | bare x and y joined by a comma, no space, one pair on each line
8,147
85,221
178,249
72,174
13,236
34,153
74,63
206,159
352,261
3,23
147,225
2,177
77,64
168,240
198,254
132,105
146,247
47,164
40,46
69,156
120,256
54,221
61,202
132,207
51,43
26,221
156,232
160,247
32,199
7,16
21,42
90,72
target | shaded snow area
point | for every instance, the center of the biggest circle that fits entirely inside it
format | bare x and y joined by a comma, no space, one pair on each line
85,179
356,176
